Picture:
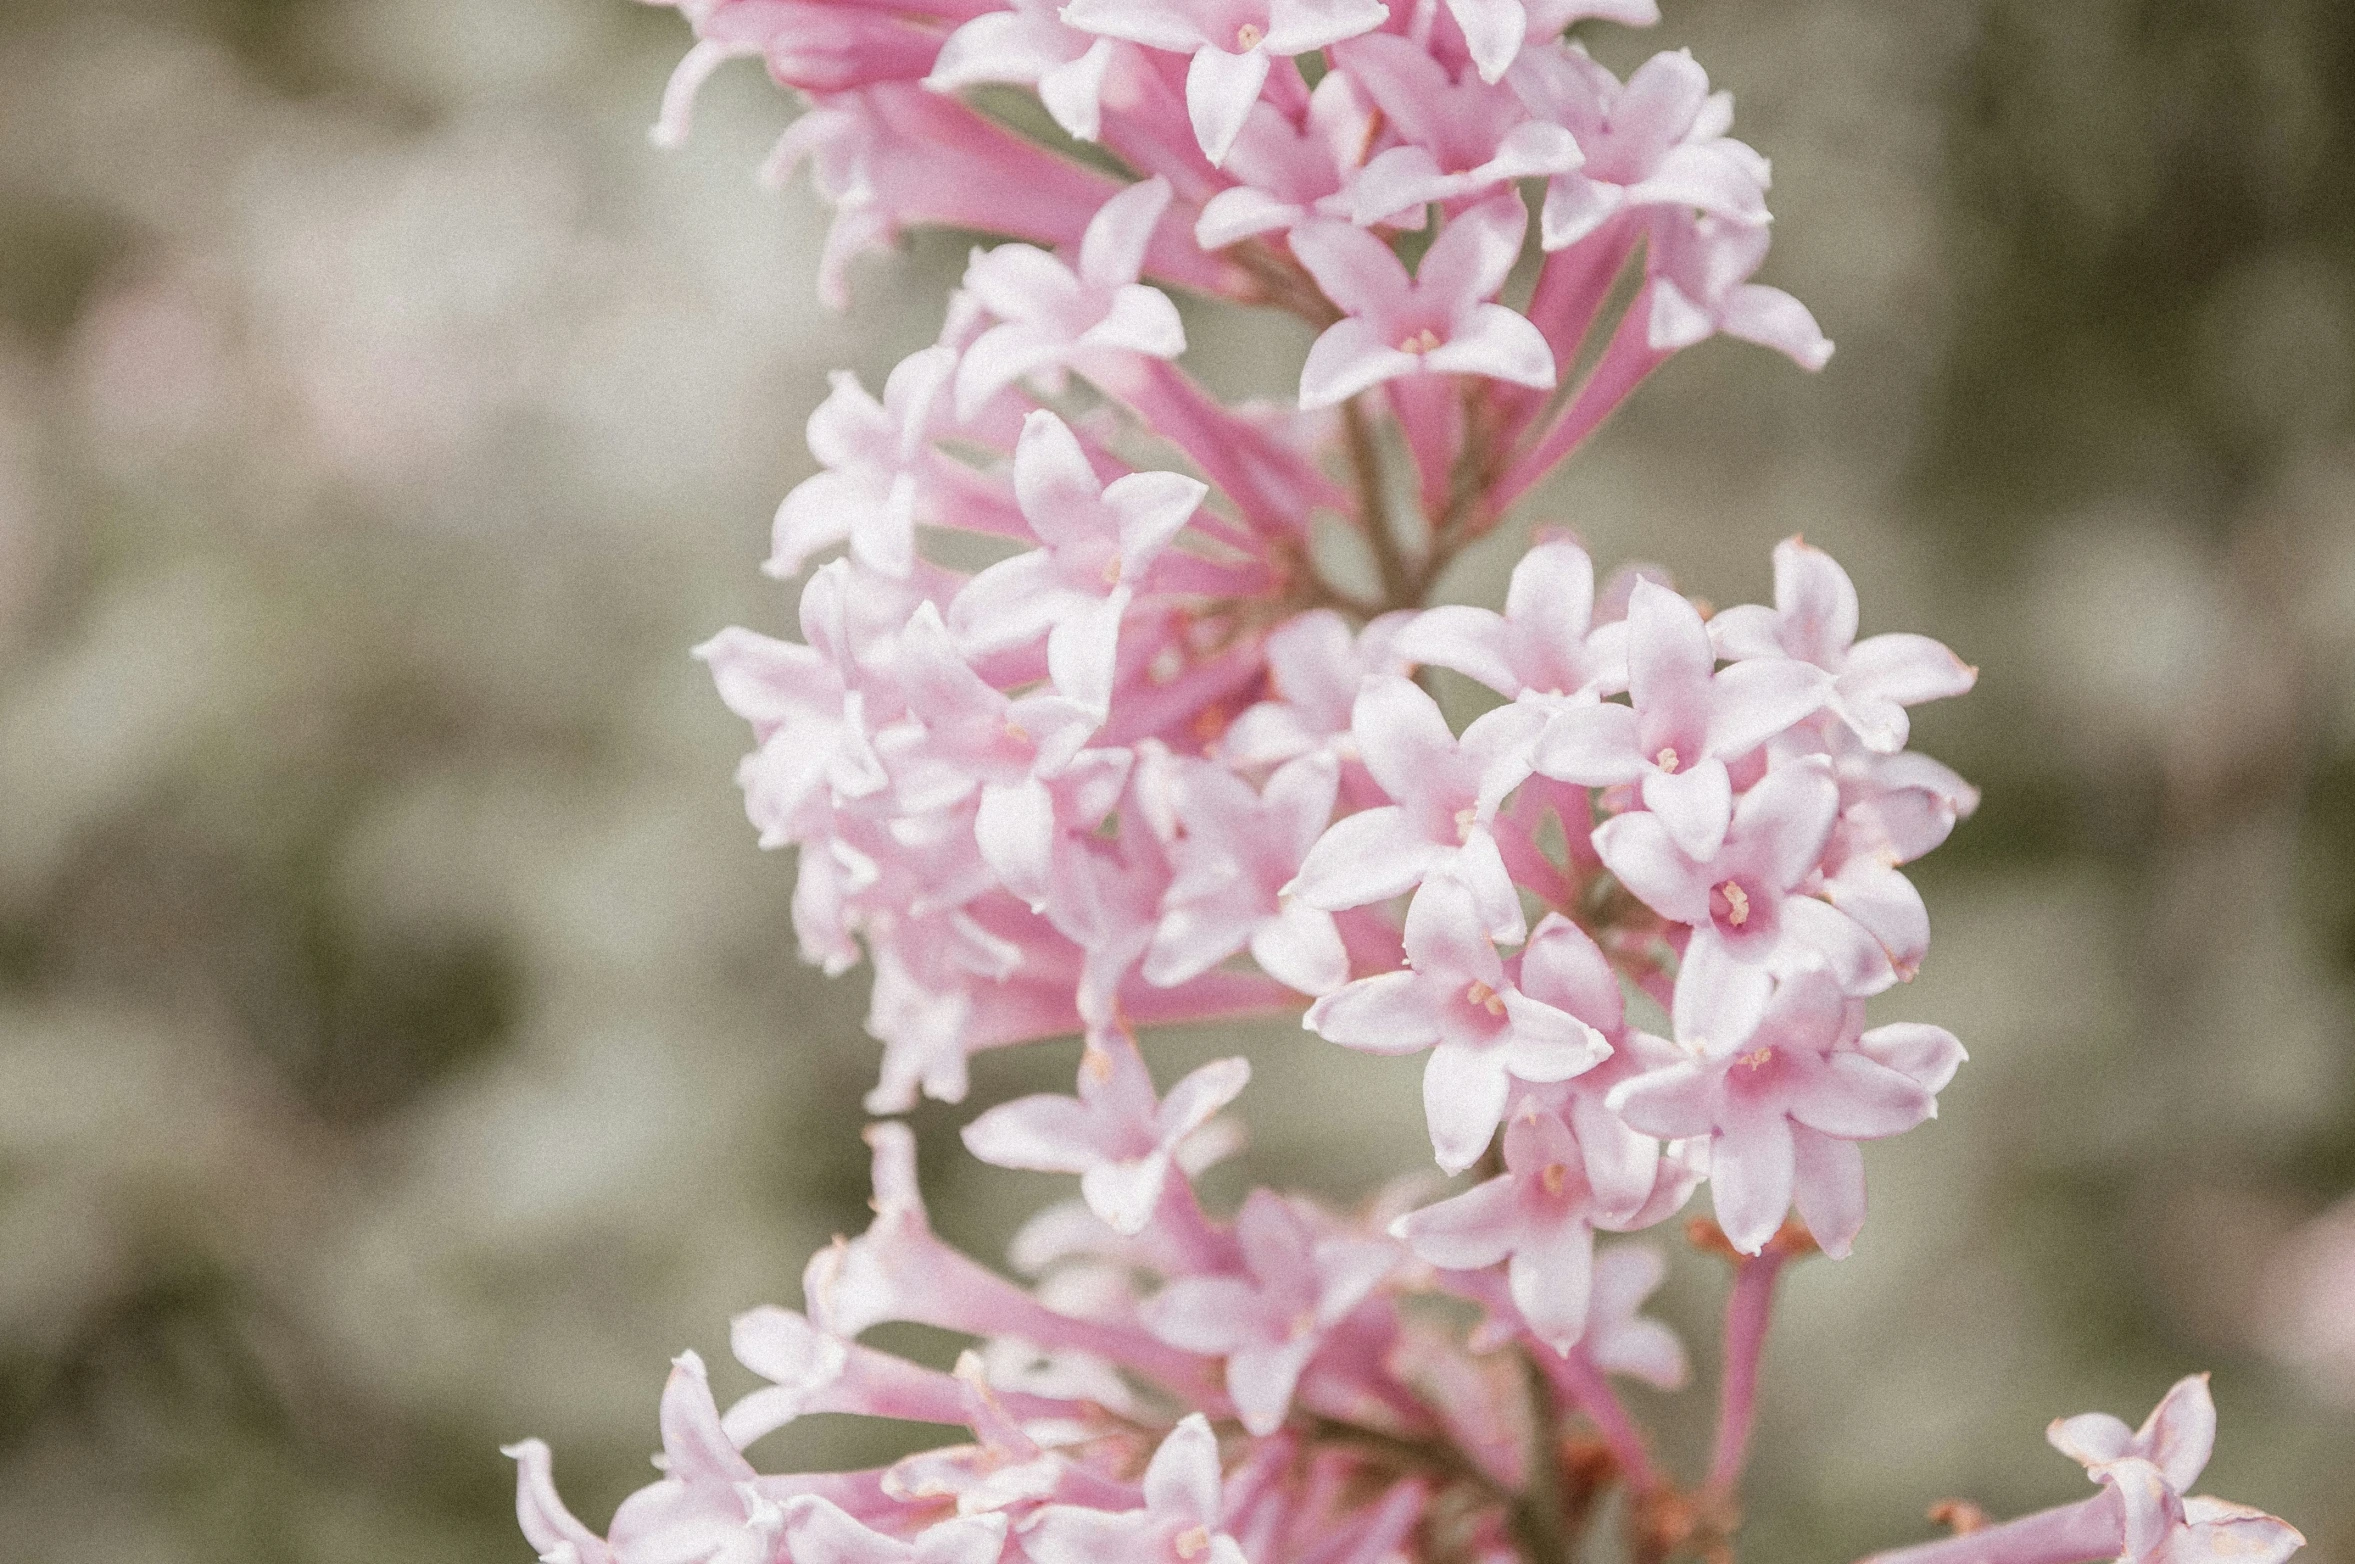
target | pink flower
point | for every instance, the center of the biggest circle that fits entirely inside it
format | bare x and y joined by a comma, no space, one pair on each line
1814,621
1446,791
1180,1522
1297,1285
1438,322
1684,722
2149,1469
1235,853
1462,136
1052,316
1782,1090
1315,666
1658,141
546,1524
1232,43
819,1532
1290,172
1456,999
882,475
1497,30
709,1508
1119,1140
1030,46
1700,286
1099,541
1619,1338
1545,645
1747,898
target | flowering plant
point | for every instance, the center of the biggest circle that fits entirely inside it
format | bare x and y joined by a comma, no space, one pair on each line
1168,759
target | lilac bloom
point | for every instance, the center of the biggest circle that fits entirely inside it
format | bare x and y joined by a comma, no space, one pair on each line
1315,667
1446,794
708,1508
1782,1089
1268,1322
546,1524
1237,851
880,469
808,706
1290,173
1028,45
1099,541
1497,30
1456,999
1459,137
1178,1524
1700,286
1545,646
1814,621
1657,141
1684,723
1748,899
1537,1217
1115,1135
1052,316
2150,1470
1441,321
1232,43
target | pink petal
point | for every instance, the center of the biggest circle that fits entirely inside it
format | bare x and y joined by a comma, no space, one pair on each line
1464,1092
1370,856
1073,92
1772,318
1551,1277
1153,507
1906,669
1220,89
1858,1098
1751,702
1828,1187
1140,320
1928,1054
1112,251
1183,1478
1564,967
1783,823
2180,1433
1547,1045
1676,1103
1473,641
1472,256
1260,1381
1853,957
1192,1101
1474,1229
1499,343
1125,1193
1751,1169
1357,271
1593,746
1015,829
1389,1013
1068,1534
1890,909
547,1525
1719,1002
1156,26
1046,1134
1402,179
1301,948
1816,604
1346,358
1083,650
1299,26
1211,1314
2090,1438
1552,593
1402,738
1638,850
1696,805
1241,213
1493,29
1445,938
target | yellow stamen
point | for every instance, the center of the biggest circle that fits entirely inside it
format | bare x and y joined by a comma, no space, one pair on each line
1553,1176
1466,818
1668,759
1737,903
1249,36
1758,1058
1422,341
1485,997
1194,1543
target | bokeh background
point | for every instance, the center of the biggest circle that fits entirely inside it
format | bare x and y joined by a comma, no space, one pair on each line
401,1049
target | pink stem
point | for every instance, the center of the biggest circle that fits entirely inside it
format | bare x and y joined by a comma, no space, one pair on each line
1273,487
1747,1313
1623,366
2077,1533
1584,1386
1430,415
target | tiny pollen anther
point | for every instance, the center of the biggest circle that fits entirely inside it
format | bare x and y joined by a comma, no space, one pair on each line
1485,997
1421,342
1758,1058
1098,1064
1111,571
1553,1176
1193,1543
1668,759
1466,819
1018,733
1737,903
1250,36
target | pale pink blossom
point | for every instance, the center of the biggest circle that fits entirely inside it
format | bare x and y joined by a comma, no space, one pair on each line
1232,43
1782,1087
1119,1139
1099,540
1053,315
1315,667
1457,999
1290,172
881,473
1657,141
1179,1522
1445,791
1235,852
1029,45
817,1531
1545,646
1268,1322
1440,321
1683,723
1701,286
1461,136
1814,621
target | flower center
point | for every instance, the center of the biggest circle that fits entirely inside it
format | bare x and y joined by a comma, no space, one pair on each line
1758,1058
1420,343
1737,903
1668,759
1195,1542
1466,818
1248,37
1553,1176
1485,997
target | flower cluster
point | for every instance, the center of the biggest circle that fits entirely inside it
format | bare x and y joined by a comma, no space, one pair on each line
1162,760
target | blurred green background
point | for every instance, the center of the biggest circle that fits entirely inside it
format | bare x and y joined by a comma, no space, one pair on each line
401,1048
